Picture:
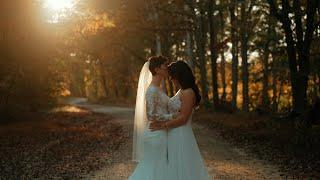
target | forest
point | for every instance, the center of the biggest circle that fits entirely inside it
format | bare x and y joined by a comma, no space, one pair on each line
257,57
247,55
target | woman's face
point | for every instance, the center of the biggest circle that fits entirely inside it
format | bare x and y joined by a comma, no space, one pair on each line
163,70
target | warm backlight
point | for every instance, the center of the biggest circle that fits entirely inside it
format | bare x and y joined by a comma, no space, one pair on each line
59,5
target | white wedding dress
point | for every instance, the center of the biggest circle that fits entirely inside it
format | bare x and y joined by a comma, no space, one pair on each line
154,163
163,155
184,158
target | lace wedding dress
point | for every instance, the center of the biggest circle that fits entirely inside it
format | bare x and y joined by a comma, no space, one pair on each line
184,158
154,163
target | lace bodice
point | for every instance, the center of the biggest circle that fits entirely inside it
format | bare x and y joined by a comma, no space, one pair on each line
157,104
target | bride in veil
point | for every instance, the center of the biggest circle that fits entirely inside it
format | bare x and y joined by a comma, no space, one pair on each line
150,148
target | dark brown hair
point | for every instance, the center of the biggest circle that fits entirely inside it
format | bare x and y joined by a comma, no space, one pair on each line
156,62
181,72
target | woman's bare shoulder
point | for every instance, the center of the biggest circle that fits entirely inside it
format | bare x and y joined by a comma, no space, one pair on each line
187,93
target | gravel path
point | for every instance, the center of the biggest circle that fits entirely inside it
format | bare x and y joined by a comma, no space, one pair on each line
222,159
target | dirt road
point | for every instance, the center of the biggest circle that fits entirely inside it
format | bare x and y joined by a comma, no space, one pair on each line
223,161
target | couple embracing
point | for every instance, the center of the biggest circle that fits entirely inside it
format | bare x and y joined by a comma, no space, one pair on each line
163,142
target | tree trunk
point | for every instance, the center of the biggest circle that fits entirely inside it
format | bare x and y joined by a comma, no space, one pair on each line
189,49
190,45
265,78
315,90
103,78
274,85
244,59
280,91
166,52
234,53
158,53
213,54
298,46
201,36
223,77
223,61
294,77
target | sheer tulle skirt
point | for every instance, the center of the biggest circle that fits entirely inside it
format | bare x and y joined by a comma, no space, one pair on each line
154,164
184,158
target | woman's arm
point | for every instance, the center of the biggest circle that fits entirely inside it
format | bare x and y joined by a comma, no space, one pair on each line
187,103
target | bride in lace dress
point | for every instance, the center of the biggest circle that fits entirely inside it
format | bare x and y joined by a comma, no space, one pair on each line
184,158
150,148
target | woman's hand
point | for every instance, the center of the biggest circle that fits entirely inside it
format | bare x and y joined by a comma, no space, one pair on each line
157,125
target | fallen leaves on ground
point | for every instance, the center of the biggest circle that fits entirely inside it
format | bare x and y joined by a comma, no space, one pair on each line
62,144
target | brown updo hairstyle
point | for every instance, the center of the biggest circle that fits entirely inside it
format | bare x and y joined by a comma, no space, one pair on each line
156,62
181,72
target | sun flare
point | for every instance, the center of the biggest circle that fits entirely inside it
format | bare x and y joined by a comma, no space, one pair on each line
57,10
59,5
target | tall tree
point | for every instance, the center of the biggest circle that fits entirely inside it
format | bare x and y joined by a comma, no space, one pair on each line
213,50
298,42
270,36
234,52
223,61
201,45
244,36
189,43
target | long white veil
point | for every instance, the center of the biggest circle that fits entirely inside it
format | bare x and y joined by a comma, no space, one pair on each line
140,117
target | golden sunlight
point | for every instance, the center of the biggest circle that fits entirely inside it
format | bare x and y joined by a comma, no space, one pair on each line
58,9
59,5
